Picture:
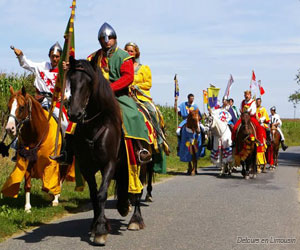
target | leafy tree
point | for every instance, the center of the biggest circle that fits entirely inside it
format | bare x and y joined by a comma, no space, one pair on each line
295,98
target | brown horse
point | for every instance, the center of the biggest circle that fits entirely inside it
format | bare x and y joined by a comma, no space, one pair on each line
275,144
245,146
28,121
192,123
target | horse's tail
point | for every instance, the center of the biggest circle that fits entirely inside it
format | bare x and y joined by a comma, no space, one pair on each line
121,184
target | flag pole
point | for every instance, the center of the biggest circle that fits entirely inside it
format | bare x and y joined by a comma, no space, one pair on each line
176,98
71,29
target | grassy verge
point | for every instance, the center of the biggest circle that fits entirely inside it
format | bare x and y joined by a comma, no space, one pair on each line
291,131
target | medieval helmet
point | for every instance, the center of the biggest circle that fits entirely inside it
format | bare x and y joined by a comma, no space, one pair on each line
107,32
273,108
55,48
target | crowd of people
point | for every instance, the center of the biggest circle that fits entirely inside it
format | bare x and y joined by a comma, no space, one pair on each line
231,114
130,81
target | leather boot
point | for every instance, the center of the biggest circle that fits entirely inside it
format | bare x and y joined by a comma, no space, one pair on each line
66,153
283,146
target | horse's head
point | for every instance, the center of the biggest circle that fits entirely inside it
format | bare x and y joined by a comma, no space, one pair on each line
193,120
19,106
245,118
81,76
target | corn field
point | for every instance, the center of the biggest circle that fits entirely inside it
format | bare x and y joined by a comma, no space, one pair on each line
16,81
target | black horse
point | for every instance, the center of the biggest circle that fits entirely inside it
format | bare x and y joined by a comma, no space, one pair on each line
98,144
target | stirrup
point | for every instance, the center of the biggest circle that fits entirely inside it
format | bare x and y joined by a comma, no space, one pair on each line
61,159
144,153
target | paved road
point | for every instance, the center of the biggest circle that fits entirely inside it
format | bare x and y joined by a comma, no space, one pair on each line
201,212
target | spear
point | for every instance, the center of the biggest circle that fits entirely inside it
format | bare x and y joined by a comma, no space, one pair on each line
176,94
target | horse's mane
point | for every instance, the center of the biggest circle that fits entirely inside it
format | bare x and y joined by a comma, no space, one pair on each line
102,92
190,121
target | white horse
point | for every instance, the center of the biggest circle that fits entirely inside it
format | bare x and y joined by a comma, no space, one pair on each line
221,152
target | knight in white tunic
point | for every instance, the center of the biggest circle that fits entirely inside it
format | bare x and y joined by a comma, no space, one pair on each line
45,78
275,119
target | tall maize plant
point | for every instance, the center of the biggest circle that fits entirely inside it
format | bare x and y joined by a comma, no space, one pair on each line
16,81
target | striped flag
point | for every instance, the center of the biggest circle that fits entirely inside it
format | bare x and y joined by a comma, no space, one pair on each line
229,84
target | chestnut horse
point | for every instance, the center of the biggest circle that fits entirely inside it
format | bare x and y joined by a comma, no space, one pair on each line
190,142
275,143
98,144
28,121
245,146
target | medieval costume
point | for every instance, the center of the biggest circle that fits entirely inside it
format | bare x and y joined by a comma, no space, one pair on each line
250,106
117,67
140,91
275,118
44,83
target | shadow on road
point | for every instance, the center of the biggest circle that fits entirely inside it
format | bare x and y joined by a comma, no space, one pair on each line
290,159
66,229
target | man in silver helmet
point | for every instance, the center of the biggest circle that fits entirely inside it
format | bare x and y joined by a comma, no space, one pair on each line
117,67
45,76
275,119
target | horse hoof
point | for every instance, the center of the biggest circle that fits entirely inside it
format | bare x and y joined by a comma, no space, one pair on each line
100,240
134,226
247,177
254,176
148,198
258,170
27,210
54,203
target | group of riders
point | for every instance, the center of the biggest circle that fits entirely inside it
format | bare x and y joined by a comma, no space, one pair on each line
130,81
229,114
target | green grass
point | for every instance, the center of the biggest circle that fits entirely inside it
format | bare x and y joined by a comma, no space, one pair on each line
291,131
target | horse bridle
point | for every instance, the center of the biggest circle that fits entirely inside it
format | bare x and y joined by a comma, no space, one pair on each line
87,98
20,123
211,122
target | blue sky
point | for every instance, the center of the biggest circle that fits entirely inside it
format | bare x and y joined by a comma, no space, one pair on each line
202,41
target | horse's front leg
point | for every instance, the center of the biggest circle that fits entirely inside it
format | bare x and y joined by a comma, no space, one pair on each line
136,221
150,166
27,188
194,162
102,226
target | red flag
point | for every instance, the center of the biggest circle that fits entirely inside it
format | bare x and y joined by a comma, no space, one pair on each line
261,89
253,84
253,76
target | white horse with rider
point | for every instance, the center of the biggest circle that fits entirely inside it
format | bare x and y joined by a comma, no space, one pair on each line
217,121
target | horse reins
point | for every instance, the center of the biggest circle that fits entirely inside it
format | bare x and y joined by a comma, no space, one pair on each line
103,128
19,125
